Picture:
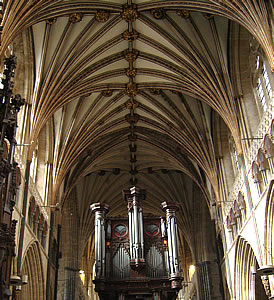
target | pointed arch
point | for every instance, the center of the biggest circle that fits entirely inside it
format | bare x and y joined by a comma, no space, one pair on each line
248,285
269,226
33,268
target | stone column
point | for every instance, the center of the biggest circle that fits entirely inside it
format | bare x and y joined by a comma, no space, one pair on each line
70,261
100,210
172,235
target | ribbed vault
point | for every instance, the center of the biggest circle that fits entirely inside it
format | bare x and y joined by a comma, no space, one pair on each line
127,93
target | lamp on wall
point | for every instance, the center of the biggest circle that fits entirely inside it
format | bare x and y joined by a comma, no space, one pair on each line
17,280
265,270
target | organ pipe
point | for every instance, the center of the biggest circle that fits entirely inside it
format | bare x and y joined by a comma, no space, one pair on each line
136,255
134,197
100,210
170,210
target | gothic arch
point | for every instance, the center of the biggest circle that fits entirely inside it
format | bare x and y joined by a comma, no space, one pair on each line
247,285
269,226
32,267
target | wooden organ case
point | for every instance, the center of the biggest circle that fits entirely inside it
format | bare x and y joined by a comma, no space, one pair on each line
136,257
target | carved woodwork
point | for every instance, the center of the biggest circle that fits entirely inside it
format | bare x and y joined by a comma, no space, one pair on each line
9,108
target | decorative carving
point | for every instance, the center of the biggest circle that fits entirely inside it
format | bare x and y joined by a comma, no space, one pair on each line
75,18
132,104
102,16
265,281
131,73
156,91
130,36
158,13
107,93
208,16
132,137
183,13
51,21
131,89
132,118
131,56
129,13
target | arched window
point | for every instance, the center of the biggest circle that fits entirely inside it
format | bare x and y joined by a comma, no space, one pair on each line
263,84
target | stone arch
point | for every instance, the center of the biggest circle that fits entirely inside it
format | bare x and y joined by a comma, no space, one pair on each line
269,226
263,165
257,177
272,129
247,285
32,267
269,151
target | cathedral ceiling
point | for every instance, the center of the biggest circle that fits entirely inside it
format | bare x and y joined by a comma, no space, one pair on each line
127,93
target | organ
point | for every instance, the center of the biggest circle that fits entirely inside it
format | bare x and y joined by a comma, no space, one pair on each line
136,257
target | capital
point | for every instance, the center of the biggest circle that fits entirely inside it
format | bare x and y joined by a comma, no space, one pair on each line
103,207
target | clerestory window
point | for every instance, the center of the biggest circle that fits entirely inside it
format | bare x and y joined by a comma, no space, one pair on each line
263,88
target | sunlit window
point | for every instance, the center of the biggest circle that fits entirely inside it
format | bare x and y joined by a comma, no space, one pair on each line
263,88
33,166
267,82
261,95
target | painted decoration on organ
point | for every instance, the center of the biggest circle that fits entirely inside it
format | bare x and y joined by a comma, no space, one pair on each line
120,230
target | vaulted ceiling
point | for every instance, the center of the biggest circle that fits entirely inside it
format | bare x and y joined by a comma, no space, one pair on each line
127,92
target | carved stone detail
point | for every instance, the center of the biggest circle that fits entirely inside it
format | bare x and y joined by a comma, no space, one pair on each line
183,13
132,104
208,16
132,119
129,13
107,93
131,73
51,21
102,16
75,18
155,91
131,56
131,89
158,13
130,36
265,281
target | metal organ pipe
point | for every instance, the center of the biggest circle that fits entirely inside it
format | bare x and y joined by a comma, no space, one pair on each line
100,210
170,210
141,232
134,198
